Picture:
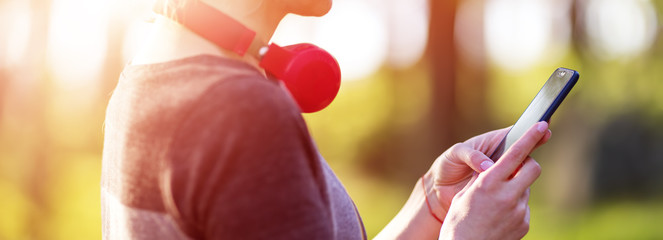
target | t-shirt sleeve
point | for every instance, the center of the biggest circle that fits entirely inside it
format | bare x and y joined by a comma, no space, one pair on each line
243,166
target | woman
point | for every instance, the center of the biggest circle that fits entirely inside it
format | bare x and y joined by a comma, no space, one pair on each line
200,144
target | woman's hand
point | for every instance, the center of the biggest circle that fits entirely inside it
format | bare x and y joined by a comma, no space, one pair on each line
452,170
453,185
493,205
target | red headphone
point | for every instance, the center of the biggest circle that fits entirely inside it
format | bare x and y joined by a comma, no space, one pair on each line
311,74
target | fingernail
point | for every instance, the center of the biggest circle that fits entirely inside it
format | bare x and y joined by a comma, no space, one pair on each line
542,127
486,164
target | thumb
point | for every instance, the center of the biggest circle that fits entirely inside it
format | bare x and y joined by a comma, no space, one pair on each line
476,159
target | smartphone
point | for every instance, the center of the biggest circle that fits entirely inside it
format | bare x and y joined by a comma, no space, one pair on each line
541,108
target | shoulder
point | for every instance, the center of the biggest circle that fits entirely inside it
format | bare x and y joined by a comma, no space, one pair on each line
243,155
243,114
238,105
244,104
249,94
246,121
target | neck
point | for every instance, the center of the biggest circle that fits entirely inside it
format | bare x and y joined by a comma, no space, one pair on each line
170,40
258,15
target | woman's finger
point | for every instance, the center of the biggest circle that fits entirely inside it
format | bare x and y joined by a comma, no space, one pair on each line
527,174
544,140
517,153
524,198
477,160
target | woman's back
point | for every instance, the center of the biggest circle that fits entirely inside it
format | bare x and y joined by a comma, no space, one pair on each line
205,147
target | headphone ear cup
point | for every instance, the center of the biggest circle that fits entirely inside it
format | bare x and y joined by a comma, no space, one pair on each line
311,74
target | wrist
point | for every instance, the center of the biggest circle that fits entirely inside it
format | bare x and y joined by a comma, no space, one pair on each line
414,220
436,209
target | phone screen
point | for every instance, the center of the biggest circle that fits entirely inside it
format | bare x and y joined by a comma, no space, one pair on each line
541,108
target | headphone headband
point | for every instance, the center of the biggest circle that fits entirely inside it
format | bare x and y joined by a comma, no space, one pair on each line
234,37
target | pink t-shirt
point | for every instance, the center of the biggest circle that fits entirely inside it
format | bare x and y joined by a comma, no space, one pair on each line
208,148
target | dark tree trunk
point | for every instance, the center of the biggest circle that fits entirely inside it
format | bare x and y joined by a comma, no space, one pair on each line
442,54
458,85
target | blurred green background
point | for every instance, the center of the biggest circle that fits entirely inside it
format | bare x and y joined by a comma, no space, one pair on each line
418,76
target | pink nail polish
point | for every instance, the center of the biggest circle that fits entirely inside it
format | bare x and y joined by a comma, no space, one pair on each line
542,127
486,164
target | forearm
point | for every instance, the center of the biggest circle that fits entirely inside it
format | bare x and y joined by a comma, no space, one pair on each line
414,220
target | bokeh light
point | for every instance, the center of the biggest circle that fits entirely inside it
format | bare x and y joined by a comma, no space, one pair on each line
408,31
15,21
77,41
354,32
620,29
364,34
521,33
